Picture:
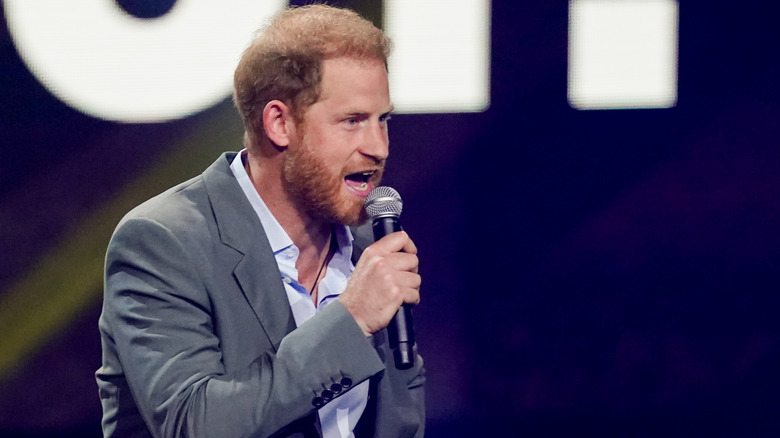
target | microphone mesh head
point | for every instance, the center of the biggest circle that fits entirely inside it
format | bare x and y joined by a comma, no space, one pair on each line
383,201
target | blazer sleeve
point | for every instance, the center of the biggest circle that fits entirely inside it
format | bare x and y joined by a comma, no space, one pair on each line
159,315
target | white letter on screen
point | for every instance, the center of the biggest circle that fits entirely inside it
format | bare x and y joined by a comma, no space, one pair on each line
441,56
106,63
623,54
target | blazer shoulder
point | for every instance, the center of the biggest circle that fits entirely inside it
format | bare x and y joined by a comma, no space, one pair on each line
187,201
174,207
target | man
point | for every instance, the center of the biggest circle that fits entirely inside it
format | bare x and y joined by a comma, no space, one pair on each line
232,305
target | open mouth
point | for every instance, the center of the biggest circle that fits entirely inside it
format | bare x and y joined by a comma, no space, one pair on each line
360,182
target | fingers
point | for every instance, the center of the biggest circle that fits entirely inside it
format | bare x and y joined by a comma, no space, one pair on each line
395,242
409,246
385,277
396,250
401,261
411,281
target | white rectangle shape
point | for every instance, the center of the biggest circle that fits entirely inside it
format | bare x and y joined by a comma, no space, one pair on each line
441,55
623,54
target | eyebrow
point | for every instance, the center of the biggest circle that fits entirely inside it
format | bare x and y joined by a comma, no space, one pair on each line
356,112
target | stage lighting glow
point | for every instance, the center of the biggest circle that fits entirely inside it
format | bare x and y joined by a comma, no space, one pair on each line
99,59
105,62
441,55
623,54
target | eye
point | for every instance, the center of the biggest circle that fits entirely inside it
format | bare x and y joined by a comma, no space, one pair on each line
385,117
354,121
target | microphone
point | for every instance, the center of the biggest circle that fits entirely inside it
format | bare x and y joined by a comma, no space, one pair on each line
384,206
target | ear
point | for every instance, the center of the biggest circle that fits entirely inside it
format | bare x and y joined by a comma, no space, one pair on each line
278,122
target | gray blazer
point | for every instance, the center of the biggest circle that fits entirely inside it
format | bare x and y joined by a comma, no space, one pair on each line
199,339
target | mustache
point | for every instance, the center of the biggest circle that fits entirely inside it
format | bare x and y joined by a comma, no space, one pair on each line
374,167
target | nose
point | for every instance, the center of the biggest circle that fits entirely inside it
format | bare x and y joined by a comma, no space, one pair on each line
376,143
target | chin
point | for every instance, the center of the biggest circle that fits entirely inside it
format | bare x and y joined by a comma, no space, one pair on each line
345,207
353,215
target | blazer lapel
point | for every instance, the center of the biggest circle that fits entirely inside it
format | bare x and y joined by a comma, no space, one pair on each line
363,237
256,273
264,291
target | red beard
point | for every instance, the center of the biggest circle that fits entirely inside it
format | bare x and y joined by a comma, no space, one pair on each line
317,191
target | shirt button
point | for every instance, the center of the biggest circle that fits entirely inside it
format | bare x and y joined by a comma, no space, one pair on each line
287,280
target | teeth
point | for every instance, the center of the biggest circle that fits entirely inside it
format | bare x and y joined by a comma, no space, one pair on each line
362,186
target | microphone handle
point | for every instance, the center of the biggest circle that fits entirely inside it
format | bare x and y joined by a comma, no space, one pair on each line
401,327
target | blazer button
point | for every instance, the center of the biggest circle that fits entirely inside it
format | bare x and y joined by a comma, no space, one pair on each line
346,382
318,402
336,388
327,395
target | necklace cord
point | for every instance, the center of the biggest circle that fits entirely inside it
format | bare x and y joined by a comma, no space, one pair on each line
324,263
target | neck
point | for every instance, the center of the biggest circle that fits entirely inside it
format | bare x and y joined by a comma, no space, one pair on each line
312,237
304,230
313,290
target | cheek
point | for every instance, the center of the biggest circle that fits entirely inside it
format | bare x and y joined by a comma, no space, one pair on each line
340,151
335,147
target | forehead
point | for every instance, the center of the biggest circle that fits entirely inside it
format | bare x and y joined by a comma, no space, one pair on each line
350,81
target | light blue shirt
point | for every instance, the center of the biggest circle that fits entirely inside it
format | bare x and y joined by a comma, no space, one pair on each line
339,417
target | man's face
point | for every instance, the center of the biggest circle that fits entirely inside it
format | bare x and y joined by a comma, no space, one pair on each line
337,154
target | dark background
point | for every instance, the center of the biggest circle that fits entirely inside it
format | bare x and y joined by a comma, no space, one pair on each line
586,273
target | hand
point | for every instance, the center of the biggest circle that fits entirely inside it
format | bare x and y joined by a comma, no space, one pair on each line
384,278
